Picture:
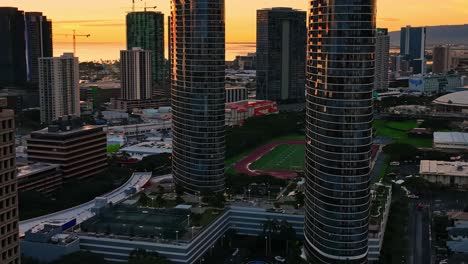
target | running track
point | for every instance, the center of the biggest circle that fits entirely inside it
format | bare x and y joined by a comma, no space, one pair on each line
243,166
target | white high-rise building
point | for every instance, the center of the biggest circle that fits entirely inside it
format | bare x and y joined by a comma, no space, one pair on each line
59,87
382,57
135,71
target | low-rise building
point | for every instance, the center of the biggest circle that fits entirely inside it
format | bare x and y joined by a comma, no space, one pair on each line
237,113
380,210
130,105
143,149
452,103
81,151
236,94
451,141
40,177
447,173
432,84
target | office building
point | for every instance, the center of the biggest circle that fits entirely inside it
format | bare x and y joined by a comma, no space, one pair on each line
38,43
442,59
135,74
12,47
9,250
446,173
81,151
236,94
382,60
198,93
413,47
340,82
433,84
39,177
281,54
59,90
146,30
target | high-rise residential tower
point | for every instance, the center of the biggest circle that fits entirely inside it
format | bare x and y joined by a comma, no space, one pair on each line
198,94
59,87
38,43
146,30
413,47
12,47
339,115
281,54
442,59
382,59
9,249
135,71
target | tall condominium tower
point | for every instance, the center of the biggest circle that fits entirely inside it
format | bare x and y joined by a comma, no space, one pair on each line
198,95
382,59
12,47
9,251
340,80
413,47
59,87
135,71
442,59
146,30
38,43
281,54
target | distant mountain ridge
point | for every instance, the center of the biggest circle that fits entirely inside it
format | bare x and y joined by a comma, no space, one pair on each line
437,35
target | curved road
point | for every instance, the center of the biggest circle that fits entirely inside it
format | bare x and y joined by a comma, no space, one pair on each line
83,212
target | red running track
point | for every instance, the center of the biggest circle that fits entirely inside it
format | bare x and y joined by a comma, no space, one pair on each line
243,166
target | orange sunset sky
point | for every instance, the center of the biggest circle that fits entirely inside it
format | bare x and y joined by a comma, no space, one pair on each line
105,19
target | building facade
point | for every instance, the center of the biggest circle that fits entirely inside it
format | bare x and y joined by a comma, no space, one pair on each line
197,60
281,54
382,60
453,174
59,90
442,59
236,94
9,250
81,151
40,177
135,74
146,30
339,115
413,47
38,43
12,47
434,84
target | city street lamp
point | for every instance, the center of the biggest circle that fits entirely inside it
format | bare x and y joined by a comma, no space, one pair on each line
192,231
249,194
177,235
152,202
266,246
188,220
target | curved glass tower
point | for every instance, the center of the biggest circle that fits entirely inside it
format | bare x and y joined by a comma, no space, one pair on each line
340,76
197,56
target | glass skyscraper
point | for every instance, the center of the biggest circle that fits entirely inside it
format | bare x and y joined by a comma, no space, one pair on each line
197,60
146,30
340,79
281,52
413,47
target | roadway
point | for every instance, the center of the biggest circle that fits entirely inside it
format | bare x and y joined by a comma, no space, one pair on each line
84,211
419,244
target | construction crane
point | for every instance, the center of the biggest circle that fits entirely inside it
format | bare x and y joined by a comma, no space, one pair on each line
145,8
133,5
74,39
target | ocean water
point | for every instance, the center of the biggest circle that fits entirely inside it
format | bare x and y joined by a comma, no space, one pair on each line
111,51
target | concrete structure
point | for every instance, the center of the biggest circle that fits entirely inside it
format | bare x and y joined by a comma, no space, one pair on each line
59,87
9,249
442,59
148,148
146,30
451,141
197,57
138,130
38,43
81,151
413,47
433,84
454,174
130,105
135,74
340,82
245,62
40,177
281,54
452,103
382,60
237,113
380,210
236,94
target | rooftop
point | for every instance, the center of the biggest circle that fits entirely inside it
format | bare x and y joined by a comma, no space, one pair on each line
443,168
453,99
455,138
458,216
25,171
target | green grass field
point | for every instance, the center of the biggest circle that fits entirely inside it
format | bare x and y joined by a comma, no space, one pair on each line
283,157
398,131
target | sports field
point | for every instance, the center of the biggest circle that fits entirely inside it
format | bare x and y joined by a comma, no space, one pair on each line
282,157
